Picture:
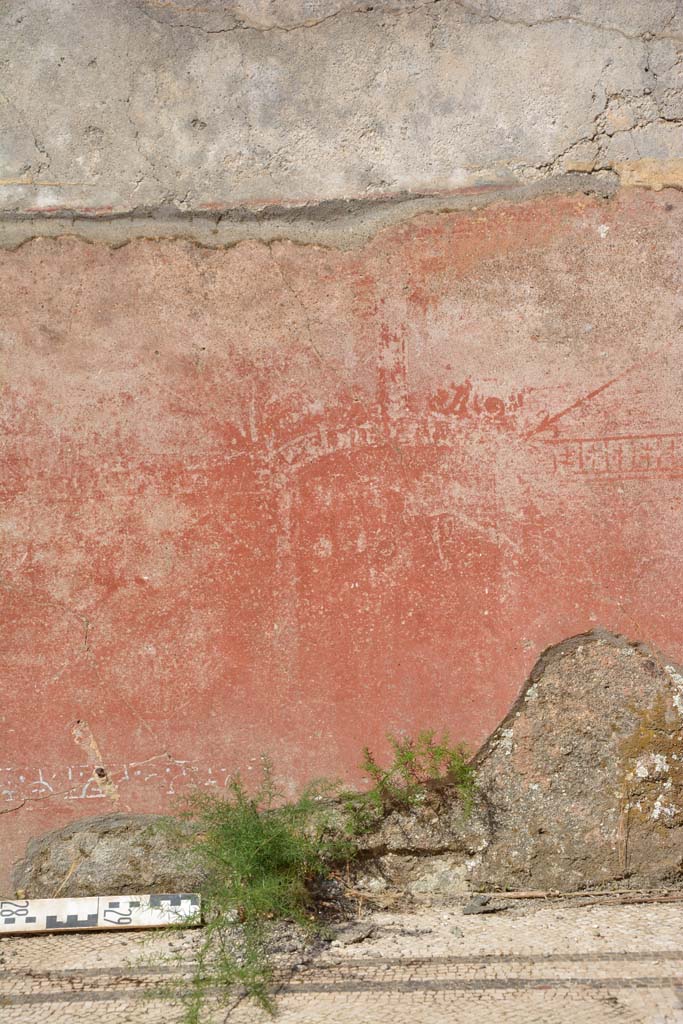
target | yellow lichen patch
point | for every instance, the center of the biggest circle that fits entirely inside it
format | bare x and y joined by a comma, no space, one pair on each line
654,174
652,760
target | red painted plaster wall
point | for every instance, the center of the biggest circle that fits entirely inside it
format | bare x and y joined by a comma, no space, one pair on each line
284,499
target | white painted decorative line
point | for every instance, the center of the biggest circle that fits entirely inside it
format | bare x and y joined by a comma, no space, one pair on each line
89,913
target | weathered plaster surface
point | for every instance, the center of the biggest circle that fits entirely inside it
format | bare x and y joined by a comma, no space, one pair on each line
284,498
110,107
356,383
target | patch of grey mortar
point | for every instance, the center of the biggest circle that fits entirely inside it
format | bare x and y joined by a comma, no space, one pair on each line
343,224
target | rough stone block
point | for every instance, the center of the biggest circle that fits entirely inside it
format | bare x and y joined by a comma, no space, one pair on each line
121,853
585,776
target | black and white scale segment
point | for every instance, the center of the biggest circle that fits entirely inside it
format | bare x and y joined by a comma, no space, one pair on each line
104,912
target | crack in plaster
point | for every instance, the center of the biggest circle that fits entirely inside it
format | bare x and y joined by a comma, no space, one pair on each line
368,8
570,19
42,164
290,288
372,9
140,151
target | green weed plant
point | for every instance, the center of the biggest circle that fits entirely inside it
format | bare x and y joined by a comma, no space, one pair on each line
263,858
420,767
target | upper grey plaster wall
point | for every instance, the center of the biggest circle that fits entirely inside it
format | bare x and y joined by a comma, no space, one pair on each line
108,106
